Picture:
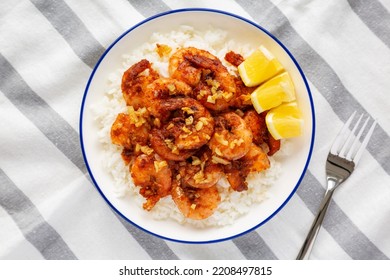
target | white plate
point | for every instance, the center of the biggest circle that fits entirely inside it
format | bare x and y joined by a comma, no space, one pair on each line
244,31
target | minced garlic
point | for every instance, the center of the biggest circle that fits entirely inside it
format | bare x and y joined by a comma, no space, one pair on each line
188,110
196,160
216,159
204,120
147,150
218,152
221,139
157,122
136,116
199,125
189,120
158,165
171,88
186,130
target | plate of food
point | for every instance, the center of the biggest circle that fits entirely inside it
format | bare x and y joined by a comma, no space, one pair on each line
197,125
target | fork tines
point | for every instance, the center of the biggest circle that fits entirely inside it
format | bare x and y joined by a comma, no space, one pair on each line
346,144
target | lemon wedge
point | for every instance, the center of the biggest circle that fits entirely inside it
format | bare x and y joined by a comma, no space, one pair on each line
274,92
258,67
285,121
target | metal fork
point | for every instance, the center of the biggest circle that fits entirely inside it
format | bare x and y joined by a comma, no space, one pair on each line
342,159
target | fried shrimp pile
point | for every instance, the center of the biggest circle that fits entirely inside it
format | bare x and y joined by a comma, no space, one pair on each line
181,134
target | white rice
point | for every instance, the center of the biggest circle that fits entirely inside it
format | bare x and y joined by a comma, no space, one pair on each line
233,204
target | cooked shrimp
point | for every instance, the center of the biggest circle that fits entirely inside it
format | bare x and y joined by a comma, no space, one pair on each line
200,171
236,176
154,176
256,123
162,142
195,203
232,138
217,87
127,133
135,81
214,86
187,125
243,98
255,160
164,88
182,69
194,121
243,95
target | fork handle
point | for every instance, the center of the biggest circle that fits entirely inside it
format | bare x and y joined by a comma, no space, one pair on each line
307,246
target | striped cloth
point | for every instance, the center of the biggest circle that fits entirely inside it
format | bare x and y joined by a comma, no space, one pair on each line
49,208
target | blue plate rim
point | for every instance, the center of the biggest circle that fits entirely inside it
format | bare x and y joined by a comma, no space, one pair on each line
211,11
